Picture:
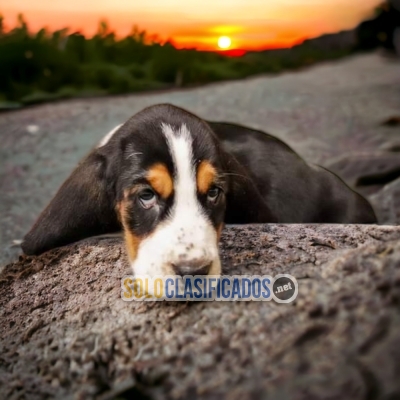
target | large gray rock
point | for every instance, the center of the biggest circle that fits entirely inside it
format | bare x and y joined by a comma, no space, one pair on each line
367,172
387,203
65,332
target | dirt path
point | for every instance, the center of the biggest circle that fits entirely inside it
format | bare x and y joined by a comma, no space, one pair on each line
323,112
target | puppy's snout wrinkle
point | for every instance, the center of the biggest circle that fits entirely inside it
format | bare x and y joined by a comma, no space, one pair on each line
193,267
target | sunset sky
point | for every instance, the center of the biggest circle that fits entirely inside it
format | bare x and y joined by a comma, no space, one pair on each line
250,24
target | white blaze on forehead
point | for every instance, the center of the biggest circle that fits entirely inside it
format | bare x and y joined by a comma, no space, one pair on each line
109,135
181,147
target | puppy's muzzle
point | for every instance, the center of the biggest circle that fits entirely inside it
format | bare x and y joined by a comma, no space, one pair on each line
194,267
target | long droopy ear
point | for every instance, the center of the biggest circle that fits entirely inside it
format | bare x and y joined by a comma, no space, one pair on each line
84,206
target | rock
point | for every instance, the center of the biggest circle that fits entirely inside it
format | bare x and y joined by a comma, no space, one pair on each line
392,121
65,332
367,172
391,146
387,203
375,175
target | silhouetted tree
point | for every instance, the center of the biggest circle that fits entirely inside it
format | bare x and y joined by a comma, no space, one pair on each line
379,31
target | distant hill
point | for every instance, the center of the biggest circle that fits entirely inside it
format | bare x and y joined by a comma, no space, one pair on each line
334,41
340,43
381,31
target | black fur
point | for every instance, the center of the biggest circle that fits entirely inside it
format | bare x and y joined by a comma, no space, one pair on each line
263,180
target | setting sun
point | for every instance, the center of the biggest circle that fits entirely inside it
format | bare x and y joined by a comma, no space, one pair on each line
224,42
209,25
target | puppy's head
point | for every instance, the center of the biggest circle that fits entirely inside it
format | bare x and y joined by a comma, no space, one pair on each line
170,193
159,176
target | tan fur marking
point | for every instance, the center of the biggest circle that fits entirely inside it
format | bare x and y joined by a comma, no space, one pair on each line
118,211
132,242
205,176
219,231
160,180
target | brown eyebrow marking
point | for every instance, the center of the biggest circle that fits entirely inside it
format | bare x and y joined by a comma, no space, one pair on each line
160,179
206,174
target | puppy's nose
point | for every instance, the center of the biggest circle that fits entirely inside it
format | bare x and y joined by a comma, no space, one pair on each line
191,268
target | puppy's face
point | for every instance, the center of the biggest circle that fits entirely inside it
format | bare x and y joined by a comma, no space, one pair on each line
160,176
170,195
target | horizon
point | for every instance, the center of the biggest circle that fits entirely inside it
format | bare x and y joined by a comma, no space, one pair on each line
249,25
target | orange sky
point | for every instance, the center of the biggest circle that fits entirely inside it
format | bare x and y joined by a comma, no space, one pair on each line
251,24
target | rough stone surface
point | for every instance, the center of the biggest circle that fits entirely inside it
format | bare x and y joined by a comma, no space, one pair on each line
331,110
367,172
387,203
65,332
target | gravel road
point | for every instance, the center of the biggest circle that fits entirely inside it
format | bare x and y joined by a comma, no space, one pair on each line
322,112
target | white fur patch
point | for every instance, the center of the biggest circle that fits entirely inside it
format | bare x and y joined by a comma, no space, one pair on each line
187,236
109,135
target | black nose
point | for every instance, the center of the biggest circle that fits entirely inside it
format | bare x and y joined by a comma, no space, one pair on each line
191,268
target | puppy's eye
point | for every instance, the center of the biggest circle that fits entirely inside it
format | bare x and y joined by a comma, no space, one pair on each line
147,198
213,193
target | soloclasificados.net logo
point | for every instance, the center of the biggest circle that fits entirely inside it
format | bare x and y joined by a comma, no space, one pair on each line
281,288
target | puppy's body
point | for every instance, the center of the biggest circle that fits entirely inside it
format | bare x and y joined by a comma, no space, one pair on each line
293,191
170,180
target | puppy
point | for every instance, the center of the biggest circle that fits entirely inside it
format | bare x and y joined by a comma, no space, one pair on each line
170,181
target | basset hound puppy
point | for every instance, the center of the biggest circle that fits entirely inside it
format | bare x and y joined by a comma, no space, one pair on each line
171,180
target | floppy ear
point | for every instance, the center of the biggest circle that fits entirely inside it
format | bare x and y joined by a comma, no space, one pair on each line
82,207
